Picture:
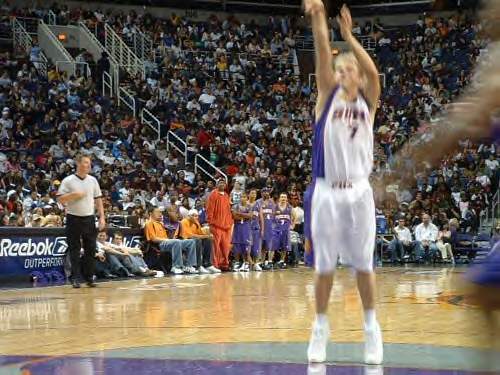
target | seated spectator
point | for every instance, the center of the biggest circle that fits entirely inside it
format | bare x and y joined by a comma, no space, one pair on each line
402,243
102,266
426,235
444,244
155,232
136,265
36,220
51,219
116,262
4,220
190,228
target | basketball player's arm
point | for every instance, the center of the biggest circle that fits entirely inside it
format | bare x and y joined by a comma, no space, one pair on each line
368,67
325,78
261,219
236,214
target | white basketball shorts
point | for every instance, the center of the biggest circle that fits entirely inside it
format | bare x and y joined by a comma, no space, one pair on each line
343,224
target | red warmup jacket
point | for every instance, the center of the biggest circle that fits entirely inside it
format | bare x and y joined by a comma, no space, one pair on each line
219,210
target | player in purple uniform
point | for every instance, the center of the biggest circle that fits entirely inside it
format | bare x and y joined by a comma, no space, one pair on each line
266,229
242,239
255,230
283,224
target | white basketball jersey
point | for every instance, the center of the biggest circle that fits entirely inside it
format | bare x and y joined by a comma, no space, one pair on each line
348,140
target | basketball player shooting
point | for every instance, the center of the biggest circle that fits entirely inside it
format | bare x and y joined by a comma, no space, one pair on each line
342,205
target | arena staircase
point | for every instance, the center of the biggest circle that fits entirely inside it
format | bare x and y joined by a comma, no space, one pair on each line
141,45
23,31
133,57
134,61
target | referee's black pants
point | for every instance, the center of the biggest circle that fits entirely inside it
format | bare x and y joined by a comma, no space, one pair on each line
81,232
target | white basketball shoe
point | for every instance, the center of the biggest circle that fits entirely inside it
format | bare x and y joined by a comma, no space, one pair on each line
374,347
316,352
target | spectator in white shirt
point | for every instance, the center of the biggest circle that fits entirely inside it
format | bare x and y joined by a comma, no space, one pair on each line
160,200
236,194
402,242
492,163
426,235
206,100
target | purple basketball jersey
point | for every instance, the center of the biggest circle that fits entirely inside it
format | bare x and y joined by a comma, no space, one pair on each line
282,225
241,231
255,228
268,213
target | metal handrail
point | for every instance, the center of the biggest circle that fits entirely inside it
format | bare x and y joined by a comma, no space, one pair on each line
491,214
174,145
122,53
151,121
24,21
42,65
114,64
107,82
56,41
52,17
122,94
21,37
75,64
367,42
141,44
197,166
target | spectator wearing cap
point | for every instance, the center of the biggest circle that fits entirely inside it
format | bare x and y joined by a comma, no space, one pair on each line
36,220
190,228
51,219
220,219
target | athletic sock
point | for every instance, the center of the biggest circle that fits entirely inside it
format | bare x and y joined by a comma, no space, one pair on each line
321,319
370,319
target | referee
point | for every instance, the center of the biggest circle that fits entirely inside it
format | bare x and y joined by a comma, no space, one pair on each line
80,193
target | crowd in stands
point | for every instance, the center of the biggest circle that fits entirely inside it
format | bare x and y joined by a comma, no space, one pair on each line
249,116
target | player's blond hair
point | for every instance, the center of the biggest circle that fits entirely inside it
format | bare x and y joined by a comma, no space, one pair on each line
346,58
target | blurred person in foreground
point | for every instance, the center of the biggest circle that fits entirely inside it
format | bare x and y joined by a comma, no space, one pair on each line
475,115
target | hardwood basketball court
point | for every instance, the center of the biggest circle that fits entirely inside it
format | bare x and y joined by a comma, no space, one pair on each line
257,319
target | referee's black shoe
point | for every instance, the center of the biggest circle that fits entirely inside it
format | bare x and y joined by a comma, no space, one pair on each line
75,283
91,284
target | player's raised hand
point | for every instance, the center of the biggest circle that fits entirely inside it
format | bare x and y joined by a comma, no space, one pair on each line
313,6
345,22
